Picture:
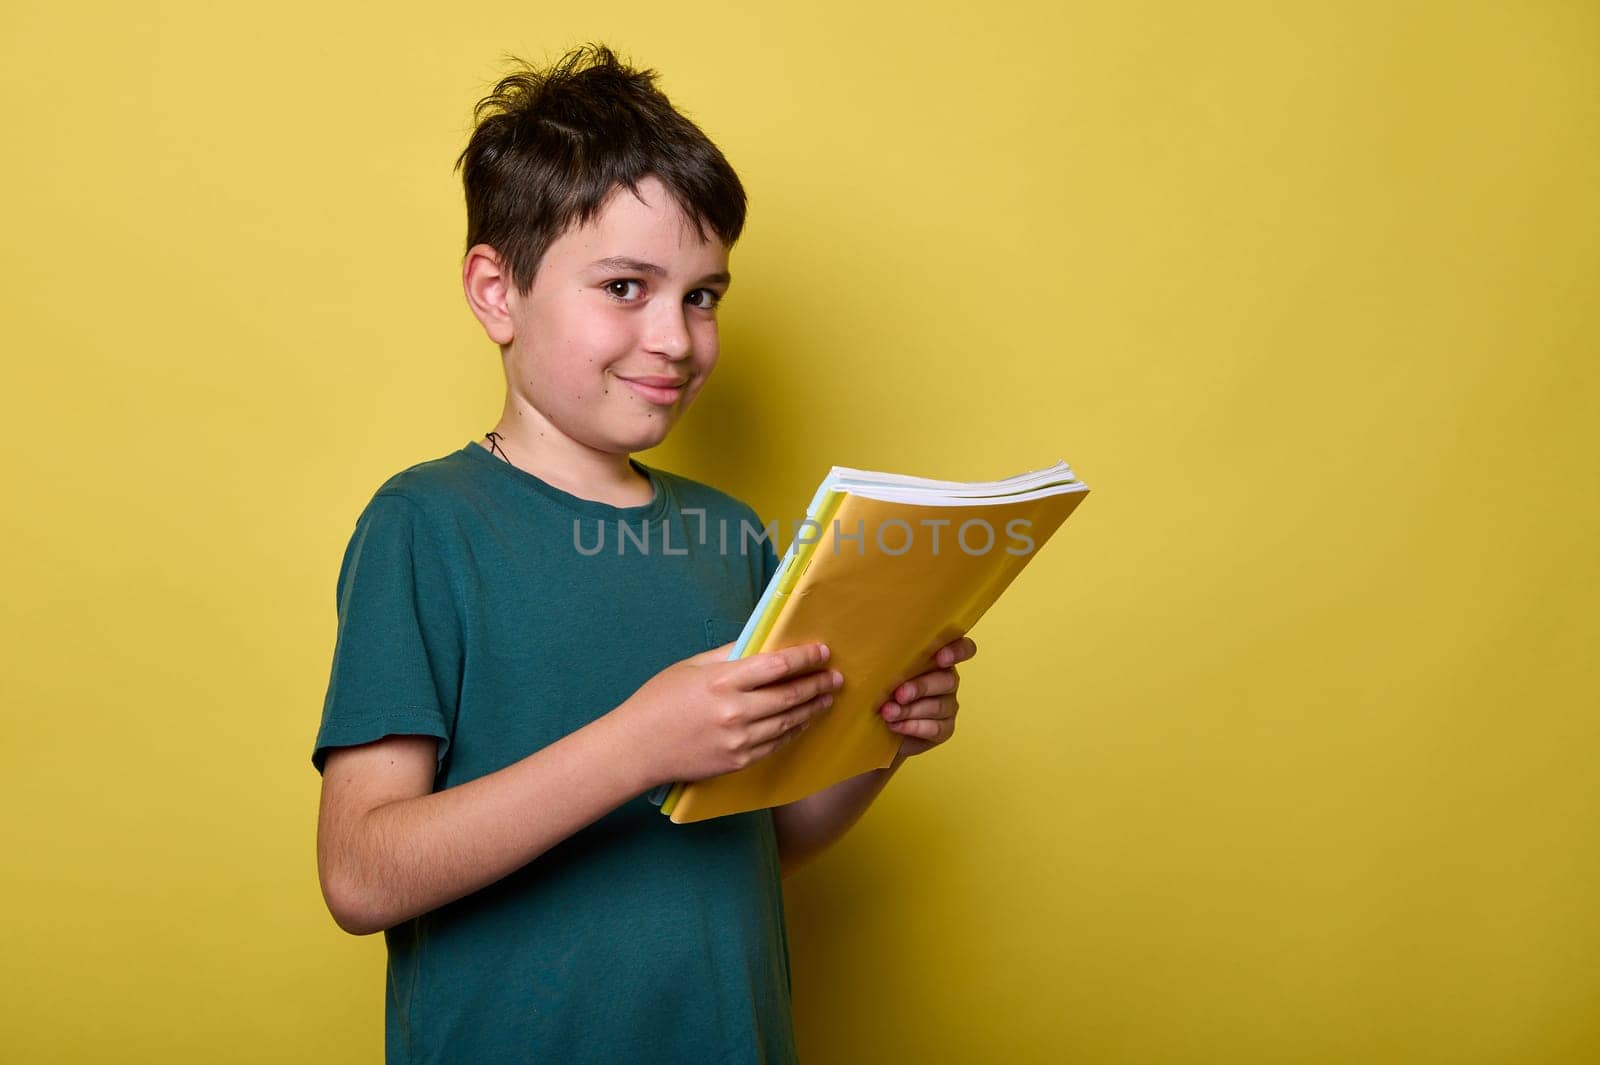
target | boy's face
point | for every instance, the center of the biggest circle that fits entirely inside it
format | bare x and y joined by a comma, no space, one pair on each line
610,354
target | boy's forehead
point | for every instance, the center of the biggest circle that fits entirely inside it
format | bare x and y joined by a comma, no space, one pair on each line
654,230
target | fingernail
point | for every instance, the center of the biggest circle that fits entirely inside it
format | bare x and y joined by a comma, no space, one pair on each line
827,700
892,712
825,652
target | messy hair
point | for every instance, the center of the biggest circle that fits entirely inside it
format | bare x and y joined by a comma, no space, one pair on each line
550,146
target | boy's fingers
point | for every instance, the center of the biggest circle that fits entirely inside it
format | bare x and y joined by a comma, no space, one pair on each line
795,691
770,666
938,682
797,717
938,707
955,651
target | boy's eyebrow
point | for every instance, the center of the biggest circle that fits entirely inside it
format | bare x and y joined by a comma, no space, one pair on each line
639,266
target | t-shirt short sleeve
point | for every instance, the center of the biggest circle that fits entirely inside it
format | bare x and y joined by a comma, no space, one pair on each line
398,653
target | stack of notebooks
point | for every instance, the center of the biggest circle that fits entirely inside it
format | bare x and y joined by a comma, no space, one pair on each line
886,569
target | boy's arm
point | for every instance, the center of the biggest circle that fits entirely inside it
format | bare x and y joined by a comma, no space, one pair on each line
809,826
389,849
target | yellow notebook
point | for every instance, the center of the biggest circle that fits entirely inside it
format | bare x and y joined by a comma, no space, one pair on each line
885,570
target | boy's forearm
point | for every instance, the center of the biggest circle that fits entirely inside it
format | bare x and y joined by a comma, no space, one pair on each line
808,826
418,854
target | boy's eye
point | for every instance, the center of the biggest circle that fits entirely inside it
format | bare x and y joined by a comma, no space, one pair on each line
709,299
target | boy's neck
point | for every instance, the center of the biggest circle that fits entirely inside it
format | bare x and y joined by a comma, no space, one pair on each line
577,470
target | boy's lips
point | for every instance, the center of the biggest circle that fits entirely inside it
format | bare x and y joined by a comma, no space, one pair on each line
660,390
660,382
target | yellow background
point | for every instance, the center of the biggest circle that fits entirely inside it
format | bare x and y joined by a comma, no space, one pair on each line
1283,751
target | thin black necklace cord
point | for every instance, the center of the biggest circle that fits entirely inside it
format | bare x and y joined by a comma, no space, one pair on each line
495,448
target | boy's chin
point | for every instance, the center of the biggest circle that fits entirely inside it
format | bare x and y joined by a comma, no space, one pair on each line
649,435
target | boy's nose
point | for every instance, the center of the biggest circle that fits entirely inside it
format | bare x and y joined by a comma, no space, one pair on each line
670,336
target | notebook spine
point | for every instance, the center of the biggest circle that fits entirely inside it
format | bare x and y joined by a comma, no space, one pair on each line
754,632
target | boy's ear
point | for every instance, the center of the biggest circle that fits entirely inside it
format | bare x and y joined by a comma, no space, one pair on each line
488,286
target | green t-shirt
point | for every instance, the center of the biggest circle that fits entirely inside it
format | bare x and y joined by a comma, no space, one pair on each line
481,605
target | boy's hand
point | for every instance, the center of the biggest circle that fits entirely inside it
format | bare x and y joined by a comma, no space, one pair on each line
923,709
706,715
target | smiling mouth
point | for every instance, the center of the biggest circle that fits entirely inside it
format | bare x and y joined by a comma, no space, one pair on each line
659,394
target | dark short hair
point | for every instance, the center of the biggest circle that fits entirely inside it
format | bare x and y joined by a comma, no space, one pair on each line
550,145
